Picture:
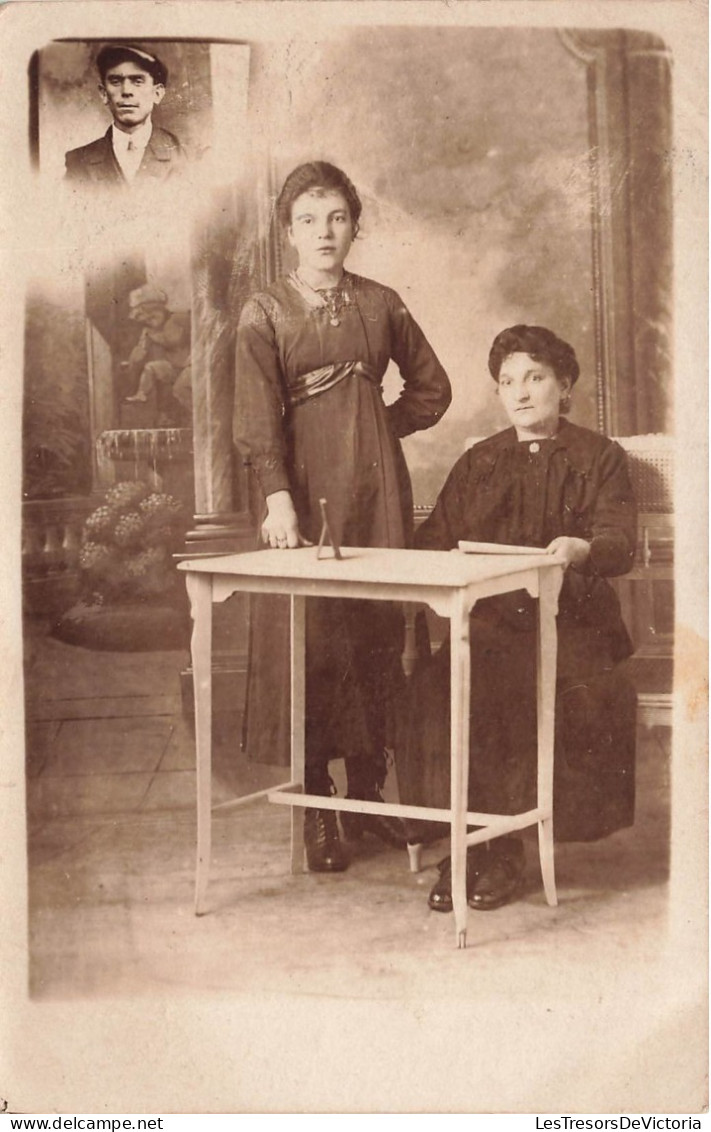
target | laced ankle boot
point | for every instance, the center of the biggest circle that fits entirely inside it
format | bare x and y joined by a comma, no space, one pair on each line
324,850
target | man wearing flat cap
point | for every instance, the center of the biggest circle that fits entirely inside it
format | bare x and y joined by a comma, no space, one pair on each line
133,151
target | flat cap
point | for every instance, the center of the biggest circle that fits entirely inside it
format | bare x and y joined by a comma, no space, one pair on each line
114,53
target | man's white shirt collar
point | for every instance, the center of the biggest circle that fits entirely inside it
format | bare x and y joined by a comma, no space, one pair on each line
129,160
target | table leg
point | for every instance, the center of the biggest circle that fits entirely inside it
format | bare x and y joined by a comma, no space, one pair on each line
459,753
199,588
298,703
549,588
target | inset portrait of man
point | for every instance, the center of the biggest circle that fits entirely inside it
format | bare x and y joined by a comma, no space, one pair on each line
149,122
132,83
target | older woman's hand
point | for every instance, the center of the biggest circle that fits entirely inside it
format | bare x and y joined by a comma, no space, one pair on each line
280,528
573,551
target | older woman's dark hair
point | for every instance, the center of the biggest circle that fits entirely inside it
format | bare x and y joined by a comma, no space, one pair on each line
540,344
317,177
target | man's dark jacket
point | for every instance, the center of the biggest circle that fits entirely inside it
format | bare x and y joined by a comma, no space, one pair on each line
95,163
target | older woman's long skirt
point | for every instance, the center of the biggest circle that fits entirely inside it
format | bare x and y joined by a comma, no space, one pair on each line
594,735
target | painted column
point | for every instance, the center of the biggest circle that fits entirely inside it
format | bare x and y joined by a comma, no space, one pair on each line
222,276
629,86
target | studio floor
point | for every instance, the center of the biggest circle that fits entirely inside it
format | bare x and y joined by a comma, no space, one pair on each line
111,785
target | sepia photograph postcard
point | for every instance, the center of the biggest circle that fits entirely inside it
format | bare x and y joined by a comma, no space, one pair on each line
355,451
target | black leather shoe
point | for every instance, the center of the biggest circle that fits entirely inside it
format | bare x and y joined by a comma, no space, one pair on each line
500,880
440,897
324,851
387,828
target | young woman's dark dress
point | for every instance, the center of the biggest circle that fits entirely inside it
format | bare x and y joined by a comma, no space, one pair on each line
528,493
310,413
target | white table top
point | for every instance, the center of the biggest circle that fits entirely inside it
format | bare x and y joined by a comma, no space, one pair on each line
438,568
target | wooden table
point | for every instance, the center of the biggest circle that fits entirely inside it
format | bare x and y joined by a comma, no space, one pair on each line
450,583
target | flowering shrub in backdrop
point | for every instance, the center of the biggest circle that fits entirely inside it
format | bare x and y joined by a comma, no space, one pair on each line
128,543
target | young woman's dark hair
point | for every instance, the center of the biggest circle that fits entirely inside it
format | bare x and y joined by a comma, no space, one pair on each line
319,177
540,344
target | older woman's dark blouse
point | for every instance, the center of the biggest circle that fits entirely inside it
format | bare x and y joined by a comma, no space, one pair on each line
529,492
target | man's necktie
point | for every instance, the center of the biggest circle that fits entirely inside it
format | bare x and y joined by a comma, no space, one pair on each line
133,159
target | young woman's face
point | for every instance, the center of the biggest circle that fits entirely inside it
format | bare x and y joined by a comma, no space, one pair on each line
531,394
321,229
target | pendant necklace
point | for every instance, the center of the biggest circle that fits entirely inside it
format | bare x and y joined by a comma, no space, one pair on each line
335,300
331,299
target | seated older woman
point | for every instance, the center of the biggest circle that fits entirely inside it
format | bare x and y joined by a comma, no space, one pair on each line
547,483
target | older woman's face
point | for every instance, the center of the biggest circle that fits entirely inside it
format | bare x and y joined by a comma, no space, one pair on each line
531,394
321,230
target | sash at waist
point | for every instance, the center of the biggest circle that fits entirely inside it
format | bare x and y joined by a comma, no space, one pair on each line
325,377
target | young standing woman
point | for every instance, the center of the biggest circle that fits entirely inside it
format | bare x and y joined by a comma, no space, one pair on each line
312,350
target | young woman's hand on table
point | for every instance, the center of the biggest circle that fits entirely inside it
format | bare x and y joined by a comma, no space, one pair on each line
280,528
